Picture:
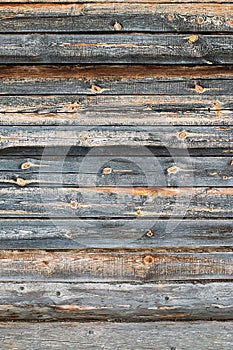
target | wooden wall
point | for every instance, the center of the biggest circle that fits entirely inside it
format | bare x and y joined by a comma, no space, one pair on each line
116,174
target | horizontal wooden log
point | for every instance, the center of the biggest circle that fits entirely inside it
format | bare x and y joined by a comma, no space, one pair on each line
117,48
131,336
157,136
115,110
125,302
199,81
108,17
77,233
145,265
83,151
120,202
122,170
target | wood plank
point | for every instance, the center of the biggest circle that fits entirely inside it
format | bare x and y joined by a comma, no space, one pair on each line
76,233
145,265
83,136
125,302
130,336
120,202
122,170
196,82
117,48
109,17
116,110
116,1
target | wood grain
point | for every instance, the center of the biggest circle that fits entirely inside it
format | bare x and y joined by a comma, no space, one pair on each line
145,265
131,336
76,233
118,202
109,17
117,48
116,110
83,136
196,82
116,302
120,170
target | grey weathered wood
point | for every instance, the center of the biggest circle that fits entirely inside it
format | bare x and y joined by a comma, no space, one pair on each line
64,234
199,81
144,265
137,136
120,202
130,336
125,302
119,170
115,110
109,17
117,48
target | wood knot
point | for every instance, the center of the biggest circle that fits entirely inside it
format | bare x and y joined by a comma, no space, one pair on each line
172,170
193,38
139,212
73,204
26,165
183,134
21,182
170,17
200,89
107,171
149,259
117,26
96,89
200,20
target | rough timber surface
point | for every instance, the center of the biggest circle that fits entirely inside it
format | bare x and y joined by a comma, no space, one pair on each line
120,170
214,82
157,265
130,336
116,302
121,17
89,233
99,136
118,202
117,48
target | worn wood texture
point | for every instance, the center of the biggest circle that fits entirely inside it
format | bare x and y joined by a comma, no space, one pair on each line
132,265
84,136
115,302
120,170
130,336
88,233
108,17
198,82
116,110
117,48
120,202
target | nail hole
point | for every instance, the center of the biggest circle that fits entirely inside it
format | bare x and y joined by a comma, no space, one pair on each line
166,298
21,288
58,294
150,233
